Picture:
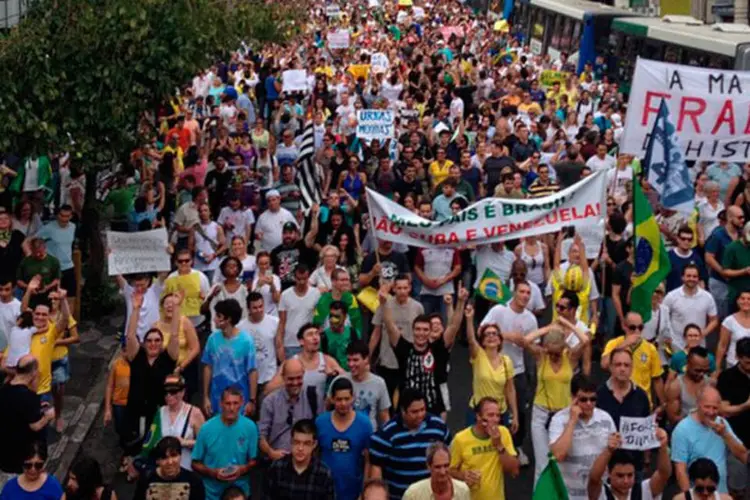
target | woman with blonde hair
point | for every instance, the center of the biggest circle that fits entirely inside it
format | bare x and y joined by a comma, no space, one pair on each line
189,345
321,277
555,363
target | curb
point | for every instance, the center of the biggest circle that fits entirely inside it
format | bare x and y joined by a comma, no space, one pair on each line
66,450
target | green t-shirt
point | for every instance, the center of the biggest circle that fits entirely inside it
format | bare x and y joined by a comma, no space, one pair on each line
736,257
323,309
335,344
48,268
121,200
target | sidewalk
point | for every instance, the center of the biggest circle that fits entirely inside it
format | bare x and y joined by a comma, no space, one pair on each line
84,393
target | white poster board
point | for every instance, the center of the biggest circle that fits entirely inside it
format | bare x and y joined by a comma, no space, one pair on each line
333,10
379,60
140,252
375,124
294,80
418,13
638,433
710,109
339,39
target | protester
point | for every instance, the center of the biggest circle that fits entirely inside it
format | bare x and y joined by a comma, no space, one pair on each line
34,482
85,482
440,484
169,474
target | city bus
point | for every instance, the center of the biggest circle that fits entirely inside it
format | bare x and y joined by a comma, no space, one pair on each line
680,40
578,27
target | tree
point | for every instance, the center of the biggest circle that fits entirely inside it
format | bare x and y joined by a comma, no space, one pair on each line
80,75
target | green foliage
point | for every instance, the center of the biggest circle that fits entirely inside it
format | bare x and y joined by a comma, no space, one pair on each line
88,70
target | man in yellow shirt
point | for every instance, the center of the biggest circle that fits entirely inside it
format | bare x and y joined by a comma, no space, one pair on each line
647,369
483,453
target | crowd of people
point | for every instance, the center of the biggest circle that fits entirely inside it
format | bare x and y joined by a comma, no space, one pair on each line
287,338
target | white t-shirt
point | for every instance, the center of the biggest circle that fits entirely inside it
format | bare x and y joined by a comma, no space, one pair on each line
271,226
149,313
391,92
708,217
500,262
510,321
249,266
737,332
240,220
9,312
595,163
265,291
537,299
19,344
589,440
264,335
617,181
299,310
645,492
685,309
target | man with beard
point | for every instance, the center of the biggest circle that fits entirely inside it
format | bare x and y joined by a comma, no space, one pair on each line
682,391
715,246
736,262
286,257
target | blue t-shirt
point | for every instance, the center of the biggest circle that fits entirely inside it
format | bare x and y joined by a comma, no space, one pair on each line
678,263
219,446
716,244
343,452
691,441
231,361
50,490
59,242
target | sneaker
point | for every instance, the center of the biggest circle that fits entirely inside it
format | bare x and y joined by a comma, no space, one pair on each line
523,459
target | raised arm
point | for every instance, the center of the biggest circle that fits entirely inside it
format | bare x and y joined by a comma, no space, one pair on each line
390,327
173,346
312,233
471,334
596,477
62,321
454,326
132,345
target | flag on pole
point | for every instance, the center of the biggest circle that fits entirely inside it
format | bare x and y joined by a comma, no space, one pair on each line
492,288
665,163
550,485
651,260
308,175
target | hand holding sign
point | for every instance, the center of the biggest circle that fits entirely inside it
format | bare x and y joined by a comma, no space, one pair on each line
639,433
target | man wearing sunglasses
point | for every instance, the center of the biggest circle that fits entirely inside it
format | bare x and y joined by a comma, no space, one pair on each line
647,369
578,434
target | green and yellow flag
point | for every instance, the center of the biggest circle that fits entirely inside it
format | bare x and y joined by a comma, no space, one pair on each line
550,485
651,259
492,288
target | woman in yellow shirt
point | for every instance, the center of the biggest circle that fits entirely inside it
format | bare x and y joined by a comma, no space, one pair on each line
492,371
60,363
555,362
190,347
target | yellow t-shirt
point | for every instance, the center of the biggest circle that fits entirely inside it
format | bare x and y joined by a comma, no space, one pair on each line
440,172
646,362
468,452
489,381
178,153
553,387
120,391
359,71
191,284
165,330
42,347
61,351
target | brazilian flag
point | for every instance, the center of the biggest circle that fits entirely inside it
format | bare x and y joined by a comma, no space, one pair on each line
651,259
550,485
492,288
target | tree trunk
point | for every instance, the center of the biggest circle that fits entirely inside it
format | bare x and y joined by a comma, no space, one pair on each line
92,245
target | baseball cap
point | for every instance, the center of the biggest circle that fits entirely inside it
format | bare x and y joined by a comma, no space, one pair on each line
290,226
273,192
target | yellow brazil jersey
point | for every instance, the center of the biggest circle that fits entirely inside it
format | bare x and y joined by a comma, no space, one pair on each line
440,172
61,351
646,362
469,452
42,348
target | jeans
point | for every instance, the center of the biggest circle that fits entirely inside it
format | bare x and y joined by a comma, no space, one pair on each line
720,292
433,304
521,382
608,317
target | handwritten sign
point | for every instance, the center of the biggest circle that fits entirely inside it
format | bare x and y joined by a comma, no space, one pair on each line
339,39
294,80
638,433
141,252
379,60
375,124
548,77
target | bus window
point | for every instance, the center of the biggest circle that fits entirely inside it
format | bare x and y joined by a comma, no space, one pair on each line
536,37
576,36
566,40
554,45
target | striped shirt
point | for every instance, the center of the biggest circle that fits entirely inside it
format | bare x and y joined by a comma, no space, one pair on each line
401,453
537,189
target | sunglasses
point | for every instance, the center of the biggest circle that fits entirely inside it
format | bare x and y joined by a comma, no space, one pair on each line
591,399
173,391
633,328
686,238
290,416
183,261
705,489
33,465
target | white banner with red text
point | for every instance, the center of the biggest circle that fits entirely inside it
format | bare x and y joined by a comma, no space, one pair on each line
492,220
709,109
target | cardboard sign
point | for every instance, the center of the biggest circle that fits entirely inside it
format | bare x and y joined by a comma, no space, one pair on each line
375,124
339,39
710,109
139,252
638,433
550,76
294,80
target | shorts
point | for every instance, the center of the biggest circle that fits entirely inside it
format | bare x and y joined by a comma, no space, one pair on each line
60,371
68,282
737,474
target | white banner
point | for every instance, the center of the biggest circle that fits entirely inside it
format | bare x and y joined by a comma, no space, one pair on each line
492,219
338,39
638,433
140,252
294,80
375,124
709,108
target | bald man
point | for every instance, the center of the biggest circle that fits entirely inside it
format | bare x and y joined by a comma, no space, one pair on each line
23,418
704,434
282,408
647,369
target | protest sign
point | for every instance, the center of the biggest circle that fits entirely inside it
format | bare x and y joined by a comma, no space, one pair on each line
418,13
549,76
709,107
379,60
339,39
333,10
492,219
447,31
140,252
638,433
375,124
294,80
373,4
